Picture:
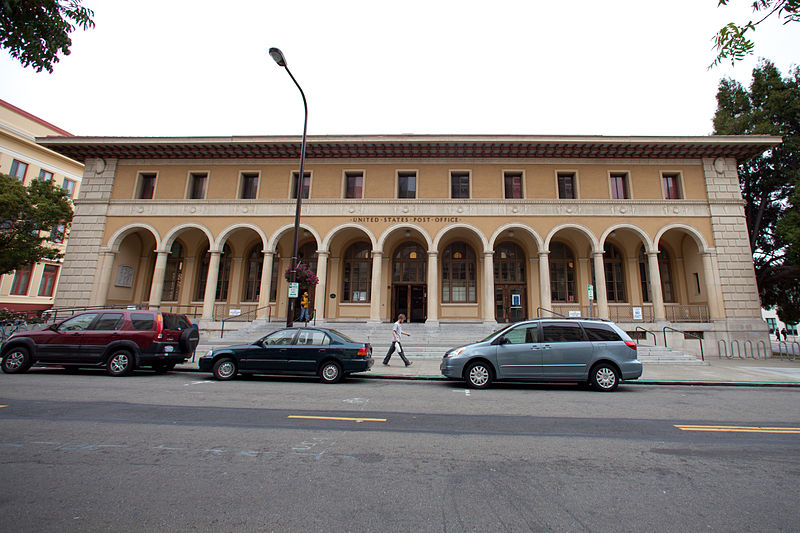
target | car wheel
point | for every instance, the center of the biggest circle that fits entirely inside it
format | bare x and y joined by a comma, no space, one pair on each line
478,375
17,360
604,377
120,363
330,372
225,369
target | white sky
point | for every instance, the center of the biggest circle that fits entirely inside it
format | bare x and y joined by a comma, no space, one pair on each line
583,67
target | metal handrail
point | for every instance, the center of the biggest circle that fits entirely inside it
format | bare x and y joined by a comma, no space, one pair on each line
269,317
700,339
653,333
549,311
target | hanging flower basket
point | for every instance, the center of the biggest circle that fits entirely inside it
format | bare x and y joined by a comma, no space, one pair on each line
304,276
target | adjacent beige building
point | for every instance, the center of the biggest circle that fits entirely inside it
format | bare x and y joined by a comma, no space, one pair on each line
32,289
646,231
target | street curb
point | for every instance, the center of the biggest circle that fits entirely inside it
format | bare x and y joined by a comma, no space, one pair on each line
684,383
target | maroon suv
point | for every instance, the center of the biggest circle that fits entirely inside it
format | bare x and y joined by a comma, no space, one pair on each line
118,339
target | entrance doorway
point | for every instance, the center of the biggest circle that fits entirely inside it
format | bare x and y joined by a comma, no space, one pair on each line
411,300
510,303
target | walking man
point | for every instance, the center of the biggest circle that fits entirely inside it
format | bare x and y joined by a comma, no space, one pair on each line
397,330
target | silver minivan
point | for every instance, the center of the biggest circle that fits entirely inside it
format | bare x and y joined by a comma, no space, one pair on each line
593,351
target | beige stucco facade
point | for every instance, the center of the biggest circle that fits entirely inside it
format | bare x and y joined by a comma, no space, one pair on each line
652,261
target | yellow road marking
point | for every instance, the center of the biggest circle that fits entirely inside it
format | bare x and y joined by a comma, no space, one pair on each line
339,418
741,429
3,406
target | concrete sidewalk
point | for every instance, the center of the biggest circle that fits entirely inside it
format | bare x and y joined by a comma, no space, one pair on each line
742,372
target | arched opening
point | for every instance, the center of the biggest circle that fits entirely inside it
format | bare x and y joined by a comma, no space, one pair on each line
459,284
510,283
357,273
613,266
409,282
562,273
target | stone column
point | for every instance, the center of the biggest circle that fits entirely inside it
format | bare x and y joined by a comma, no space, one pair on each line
600,281
433,288
106,272
157,286
266,285
376,292
659,313
321,290
714,305
544,282
488,287
209,297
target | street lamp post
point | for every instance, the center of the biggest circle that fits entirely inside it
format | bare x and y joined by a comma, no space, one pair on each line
277,55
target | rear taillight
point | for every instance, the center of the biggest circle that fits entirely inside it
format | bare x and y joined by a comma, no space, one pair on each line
160,326
363,351
631,345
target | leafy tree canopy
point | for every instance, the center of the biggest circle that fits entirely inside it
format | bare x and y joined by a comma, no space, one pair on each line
732,41
27,217
770,183
36,31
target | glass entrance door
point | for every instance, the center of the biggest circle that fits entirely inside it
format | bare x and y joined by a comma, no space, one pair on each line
411,300
510,303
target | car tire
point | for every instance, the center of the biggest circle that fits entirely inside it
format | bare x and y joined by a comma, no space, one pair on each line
604,377
188,340
478,375
120,363
17,360
225,369
331,372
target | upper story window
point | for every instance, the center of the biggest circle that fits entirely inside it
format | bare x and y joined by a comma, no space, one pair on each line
248,187
57,233
459,185
671,183
619,185
22,278
48,283
198,182
306,187
45,175
147,185
353,184
69,186
18,170
512,182
567,185
406,184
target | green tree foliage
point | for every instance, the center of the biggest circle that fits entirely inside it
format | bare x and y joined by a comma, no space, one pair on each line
732,41
36,31
770,183
27,217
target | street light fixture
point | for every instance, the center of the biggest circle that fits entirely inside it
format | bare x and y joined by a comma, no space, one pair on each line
277,55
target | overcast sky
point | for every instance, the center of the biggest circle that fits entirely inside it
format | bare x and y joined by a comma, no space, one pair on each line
583,67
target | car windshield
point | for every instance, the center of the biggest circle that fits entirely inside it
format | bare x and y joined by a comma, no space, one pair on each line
495,333
342,336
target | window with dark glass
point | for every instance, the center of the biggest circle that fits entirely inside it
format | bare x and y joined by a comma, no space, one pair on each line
69,186
599,332
306,187
643,275
458,274
672,186
108,322
22,277
57,233
18,170
619,185
197,185
249,186
407,185
562,333
409,264
173,274
354,185
253,268
459,185
513,185
357,273
566,185
307,255
48,282
45,175
276,270
562,273
147,186
615,281
509,263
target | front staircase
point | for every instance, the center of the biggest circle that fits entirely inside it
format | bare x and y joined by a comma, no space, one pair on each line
426,340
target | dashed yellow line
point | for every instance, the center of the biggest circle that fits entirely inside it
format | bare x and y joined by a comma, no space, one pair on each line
741,429
338,418
3,406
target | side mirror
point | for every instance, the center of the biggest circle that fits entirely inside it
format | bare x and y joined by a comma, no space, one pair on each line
500,340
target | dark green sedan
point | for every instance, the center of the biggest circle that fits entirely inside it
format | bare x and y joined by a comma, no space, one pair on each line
300,351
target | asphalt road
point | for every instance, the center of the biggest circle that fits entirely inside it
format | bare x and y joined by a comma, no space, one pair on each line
181,452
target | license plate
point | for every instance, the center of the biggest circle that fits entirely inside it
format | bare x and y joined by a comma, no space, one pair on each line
169,348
